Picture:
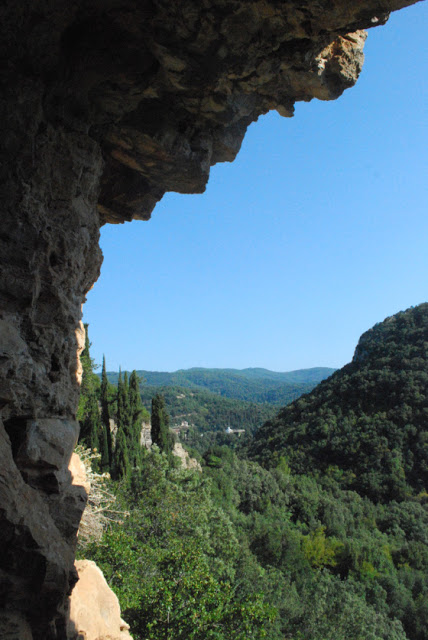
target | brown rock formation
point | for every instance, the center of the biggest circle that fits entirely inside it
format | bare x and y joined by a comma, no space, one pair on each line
94,609
105,105
186,461
37,534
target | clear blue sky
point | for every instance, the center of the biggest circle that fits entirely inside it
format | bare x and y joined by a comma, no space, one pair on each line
317,231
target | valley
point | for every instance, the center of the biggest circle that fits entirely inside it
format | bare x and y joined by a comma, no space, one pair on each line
312,526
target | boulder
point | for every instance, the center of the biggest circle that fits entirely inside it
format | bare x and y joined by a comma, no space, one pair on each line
94,608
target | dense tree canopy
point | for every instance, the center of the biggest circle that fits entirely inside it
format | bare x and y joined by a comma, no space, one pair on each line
325,540
367,425
250,385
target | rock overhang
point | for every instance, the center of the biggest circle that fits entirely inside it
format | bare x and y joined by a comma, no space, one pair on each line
105,106
167,89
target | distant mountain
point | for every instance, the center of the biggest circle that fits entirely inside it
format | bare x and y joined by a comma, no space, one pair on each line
252,385
367,425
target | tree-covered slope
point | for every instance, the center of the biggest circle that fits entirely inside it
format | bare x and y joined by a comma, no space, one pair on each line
328,543
251,385
367,425
207,411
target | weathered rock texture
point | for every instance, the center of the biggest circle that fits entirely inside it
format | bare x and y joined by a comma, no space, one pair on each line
94,608
146,435
37,535
104,106
186,461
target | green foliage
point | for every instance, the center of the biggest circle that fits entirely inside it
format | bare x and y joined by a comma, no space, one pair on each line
251,385
172,561
346,567
327,541
122,465
188,602
92,434
105,413
332,609
320,551
209,413
160,424
197,551
100,402
366,426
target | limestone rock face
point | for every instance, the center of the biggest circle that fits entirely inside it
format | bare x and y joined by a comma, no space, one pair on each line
186,461
94,608
104,106
146,435
37,535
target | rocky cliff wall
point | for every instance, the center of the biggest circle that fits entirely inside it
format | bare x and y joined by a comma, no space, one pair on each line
106,105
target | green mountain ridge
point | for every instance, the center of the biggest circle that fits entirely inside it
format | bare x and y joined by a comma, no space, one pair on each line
252,385
368,423
208,412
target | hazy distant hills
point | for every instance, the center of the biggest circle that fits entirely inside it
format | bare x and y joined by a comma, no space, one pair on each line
252,385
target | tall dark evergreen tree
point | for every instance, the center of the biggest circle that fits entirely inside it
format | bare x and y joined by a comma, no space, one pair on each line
88,411
105,461
124,452
125,389
91,426
160,424
122,467
120,418
88,385
135,411
105,412
123,410
87,365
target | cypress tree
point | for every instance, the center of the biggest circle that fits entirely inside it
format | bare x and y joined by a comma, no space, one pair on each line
126,397
90,427
87,367
104,450
88,412
120,407
135,404
160,424
92,424
105,412
122,469
123,411
135,411
125,452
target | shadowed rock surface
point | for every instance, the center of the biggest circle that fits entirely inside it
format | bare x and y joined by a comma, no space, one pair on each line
105,106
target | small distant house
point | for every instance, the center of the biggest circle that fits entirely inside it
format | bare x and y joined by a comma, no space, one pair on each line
238,431
181,429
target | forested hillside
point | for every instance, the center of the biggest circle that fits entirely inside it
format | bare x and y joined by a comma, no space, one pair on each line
315,531
367,425
251,385
208,412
